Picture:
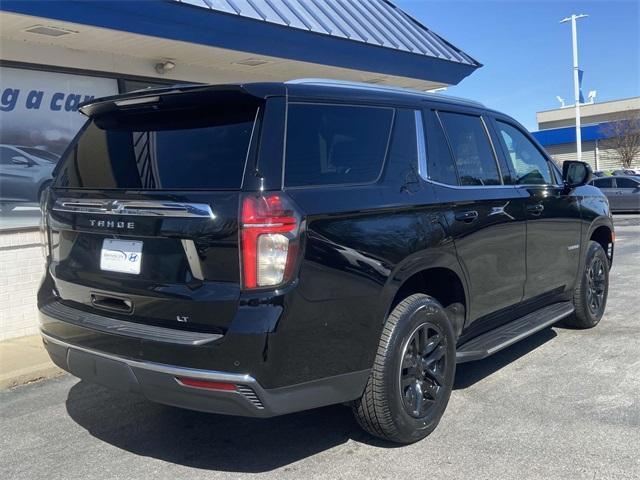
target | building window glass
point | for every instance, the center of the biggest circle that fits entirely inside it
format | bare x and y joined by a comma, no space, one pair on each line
38,118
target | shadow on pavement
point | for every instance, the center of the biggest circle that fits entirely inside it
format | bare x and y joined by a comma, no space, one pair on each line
208,441
239,444
470,373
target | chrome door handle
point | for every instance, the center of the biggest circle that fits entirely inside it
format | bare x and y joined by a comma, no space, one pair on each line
467,216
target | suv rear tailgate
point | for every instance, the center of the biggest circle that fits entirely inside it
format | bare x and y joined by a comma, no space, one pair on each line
189,273
143,213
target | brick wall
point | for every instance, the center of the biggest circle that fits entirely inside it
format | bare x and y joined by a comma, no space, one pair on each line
21,269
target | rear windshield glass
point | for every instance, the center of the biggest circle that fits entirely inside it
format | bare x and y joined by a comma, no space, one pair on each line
335,144
192,149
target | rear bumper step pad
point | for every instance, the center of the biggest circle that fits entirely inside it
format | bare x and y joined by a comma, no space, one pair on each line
105,324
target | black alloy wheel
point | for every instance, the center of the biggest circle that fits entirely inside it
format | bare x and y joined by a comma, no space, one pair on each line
422,372
412,374
592,288
596,278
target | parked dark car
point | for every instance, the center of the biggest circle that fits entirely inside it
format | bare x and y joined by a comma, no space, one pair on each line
25,173
623,192
267,248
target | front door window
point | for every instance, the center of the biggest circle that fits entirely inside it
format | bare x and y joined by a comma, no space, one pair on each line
529,165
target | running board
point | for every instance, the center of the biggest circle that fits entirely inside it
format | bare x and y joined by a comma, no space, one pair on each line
495,340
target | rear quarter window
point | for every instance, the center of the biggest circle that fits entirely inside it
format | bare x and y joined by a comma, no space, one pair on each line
335,144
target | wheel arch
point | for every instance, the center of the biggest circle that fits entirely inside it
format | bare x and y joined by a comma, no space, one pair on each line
443,281
603,233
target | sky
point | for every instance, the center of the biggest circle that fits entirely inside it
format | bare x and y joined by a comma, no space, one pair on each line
526,52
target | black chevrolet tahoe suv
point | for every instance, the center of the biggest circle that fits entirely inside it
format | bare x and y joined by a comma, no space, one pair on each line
260,249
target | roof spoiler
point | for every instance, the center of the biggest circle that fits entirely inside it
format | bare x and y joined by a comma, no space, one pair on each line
179,95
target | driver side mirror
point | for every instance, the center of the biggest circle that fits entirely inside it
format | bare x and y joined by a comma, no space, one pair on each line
20,160
575,174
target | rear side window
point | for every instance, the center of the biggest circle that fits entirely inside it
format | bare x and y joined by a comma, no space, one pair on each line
626,183
473,154
529,165
440,164
603,182
335,144
191,150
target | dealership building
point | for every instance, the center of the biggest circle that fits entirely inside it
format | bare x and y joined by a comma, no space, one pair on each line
557,132
55,55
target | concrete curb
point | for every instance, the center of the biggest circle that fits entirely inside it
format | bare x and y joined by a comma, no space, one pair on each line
24,360
28,375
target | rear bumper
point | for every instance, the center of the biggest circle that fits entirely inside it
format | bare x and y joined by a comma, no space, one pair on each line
159,383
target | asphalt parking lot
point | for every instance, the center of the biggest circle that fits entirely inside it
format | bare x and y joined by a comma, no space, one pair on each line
561,404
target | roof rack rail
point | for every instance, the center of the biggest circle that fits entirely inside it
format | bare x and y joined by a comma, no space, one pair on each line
328,82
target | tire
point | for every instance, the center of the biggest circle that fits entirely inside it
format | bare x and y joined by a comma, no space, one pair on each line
590,295
389,407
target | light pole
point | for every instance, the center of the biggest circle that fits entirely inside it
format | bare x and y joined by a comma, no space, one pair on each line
576,78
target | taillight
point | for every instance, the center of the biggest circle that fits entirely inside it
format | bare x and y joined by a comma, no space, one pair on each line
270,228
